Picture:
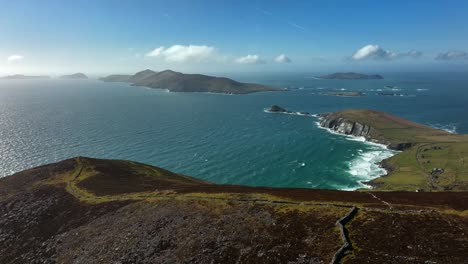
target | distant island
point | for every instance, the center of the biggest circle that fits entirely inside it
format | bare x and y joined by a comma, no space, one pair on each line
24,77
351,76
75,76
344,94
181,82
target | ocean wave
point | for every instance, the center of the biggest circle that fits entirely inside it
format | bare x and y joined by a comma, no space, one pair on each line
365,164
451,128
421,90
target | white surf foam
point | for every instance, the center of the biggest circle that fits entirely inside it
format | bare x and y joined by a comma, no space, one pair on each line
288,113
365,164
364,167
451,128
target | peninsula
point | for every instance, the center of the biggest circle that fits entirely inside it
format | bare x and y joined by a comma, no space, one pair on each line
431,159
181,82
24,77
85,210
75,76
351,76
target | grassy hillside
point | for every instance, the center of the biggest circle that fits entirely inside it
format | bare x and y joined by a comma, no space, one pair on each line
433,160
85,210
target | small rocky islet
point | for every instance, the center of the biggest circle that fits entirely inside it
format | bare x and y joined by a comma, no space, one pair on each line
281,110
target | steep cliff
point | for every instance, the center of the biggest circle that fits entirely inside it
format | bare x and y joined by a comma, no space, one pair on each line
378,127
350,127
344,126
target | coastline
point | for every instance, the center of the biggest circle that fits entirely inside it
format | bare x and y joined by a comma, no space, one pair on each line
371,159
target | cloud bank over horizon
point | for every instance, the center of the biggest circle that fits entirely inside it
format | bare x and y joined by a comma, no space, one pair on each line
452,55
15,58
283,59
181,53
250,59
375,52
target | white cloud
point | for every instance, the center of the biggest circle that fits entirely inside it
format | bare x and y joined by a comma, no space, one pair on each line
414,54
283,59
375,52
156,52
297,26
15,58
250,59
452,55
181,53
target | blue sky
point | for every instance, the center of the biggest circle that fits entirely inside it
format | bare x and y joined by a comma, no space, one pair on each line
99,37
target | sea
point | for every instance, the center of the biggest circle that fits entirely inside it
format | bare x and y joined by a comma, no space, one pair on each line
226,139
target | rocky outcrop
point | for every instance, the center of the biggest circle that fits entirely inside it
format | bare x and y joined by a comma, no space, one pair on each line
277,109
281,110
344,126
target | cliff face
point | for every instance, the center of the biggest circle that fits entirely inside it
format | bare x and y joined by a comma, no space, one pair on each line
349,127
344,126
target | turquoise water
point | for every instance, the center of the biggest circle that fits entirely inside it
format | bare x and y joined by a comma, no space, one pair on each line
220,138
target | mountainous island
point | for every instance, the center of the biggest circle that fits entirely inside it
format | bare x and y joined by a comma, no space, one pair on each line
24,77
75,76
351,76
181,82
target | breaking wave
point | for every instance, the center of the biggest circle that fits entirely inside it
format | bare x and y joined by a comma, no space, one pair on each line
364,166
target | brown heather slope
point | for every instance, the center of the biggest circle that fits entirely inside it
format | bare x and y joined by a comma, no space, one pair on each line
85,210
431,159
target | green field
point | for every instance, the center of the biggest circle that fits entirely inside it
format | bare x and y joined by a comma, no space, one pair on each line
434,160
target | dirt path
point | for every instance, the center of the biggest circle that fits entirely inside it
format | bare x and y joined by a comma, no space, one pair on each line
382,201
